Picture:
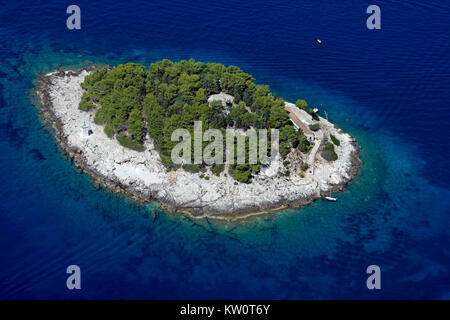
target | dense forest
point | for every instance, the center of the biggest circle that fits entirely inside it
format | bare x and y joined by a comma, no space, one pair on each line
132,101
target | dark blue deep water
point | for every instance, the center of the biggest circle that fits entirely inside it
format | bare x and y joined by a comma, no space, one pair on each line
389,88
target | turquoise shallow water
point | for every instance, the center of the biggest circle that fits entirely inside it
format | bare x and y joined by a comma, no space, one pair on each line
394,214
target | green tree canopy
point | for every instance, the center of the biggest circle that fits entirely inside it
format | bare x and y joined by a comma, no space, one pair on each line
132,101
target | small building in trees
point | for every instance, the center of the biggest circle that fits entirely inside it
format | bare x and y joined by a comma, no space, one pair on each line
299,124
226,99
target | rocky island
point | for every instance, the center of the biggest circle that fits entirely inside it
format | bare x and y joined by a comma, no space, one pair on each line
117,125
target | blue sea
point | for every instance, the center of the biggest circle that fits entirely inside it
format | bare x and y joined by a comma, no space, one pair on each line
388,88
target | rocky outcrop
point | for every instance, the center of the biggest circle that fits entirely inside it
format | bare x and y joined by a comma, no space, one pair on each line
141,174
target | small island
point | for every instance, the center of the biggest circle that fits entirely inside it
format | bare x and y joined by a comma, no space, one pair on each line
117,125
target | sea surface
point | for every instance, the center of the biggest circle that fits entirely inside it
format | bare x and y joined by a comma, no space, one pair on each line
388,88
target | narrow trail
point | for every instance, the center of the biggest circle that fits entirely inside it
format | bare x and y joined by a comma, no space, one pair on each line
312,154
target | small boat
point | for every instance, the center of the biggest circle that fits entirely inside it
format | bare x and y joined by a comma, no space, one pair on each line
319,41
331,199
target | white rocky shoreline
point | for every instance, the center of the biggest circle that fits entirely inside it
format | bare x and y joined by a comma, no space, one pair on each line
141,175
